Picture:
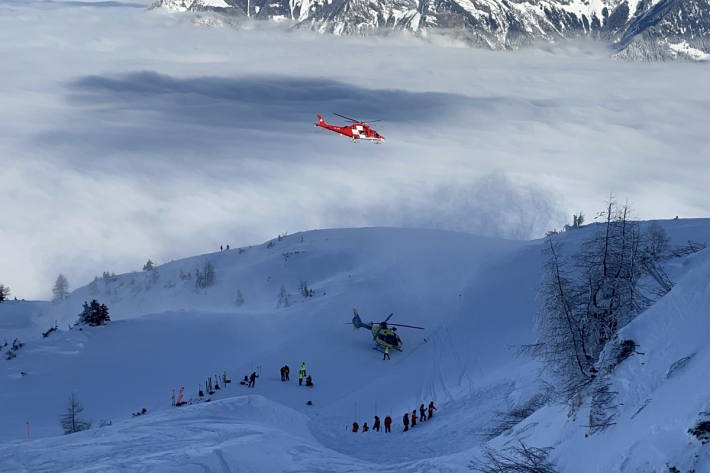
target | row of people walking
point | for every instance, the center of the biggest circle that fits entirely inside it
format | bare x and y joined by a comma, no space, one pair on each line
422,415
405,420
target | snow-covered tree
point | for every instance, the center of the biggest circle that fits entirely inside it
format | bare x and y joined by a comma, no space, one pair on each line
4,292
206,277
71,421
60,291
94,314
240,298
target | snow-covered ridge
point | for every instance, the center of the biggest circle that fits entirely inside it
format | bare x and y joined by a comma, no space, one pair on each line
637,29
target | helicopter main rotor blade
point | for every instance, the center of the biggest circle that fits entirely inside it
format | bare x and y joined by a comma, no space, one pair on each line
389,316
347,118
408,326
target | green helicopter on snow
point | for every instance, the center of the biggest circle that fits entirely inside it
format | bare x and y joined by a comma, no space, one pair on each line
383,333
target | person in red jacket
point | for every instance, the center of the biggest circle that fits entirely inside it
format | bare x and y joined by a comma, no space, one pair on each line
355,427
388,423
405,421
414,418
431,409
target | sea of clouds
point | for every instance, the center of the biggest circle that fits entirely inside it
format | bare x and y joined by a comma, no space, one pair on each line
128,134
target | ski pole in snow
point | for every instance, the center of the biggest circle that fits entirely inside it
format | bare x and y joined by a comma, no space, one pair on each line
460,297
28,429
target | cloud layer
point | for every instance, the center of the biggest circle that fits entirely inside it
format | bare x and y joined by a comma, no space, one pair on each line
127,134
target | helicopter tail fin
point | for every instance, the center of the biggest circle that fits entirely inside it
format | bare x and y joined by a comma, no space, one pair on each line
321,121
356,317
357,322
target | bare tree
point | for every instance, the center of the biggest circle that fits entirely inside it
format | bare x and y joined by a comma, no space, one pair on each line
517,459
562,342
588,298
60,291
71,421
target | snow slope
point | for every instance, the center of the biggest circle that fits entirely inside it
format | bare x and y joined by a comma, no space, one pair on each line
475,296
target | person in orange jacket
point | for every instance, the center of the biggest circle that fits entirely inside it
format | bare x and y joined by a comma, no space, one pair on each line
388,423
414,418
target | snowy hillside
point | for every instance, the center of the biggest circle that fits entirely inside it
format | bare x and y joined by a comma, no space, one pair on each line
476,297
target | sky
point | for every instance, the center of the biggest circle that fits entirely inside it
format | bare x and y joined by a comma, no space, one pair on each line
128,134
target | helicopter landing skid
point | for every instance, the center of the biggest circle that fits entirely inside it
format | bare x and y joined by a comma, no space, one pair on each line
382,350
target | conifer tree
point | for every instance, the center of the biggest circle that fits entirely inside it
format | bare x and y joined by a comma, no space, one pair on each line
60,291
4,292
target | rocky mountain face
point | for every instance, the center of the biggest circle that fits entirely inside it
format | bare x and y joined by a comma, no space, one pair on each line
637,29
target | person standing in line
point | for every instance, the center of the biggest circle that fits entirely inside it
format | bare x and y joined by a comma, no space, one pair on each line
376,425
431,409
301,373
422,413
405,421
388,424
414,418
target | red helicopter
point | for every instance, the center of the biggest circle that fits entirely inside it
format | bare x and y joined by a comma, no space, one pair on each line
357,130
